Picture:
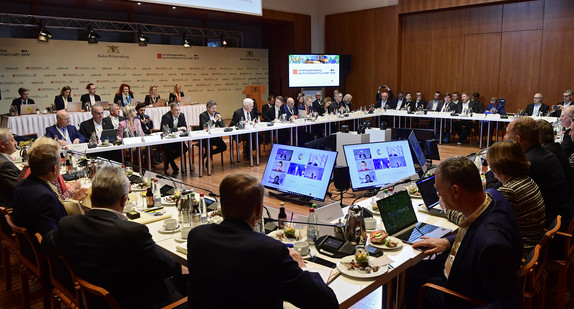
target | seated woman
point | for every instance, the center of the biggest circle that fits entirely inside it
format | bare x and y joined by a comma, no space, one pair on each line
176,95
307,106
325,106
152,97
130,126
124,95
510,166
61,101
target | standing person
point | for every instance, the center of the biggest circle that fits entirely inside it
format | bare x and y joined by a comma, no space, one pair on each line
124,96
174,120
61,101
152,97
146,121
63,131
176,95
269,104
90,99
23,99
213,118
8,171
266,272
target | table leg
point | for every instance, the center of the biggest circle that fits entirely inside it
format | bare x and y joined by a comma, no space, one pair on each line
140,158
488,136
189,145
208,157
149,158
440,133
237,149
250,147
481,134
291,132
183,160
200,169
257,148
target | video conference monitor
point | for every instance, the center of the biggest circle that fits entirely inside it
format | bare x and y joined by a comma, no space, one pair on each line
376,165
314,70
418,153
299,171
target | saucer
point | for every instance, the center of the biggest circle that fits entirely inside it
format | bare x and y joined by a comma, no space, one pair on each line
180,240
164,231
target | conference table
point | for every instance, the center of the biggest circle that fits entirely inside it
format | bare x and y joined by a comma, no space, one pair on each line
349,290
37,124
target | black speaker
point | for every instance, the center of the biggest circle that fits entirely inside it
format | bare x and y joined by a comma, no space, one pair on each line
345,128
345,64
384,125
341,177
361,129
367,124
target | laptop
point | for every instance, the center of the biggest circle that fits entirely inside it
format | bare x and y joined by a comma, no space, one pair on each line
302,114
428,193
74,107
109,134
28,109
105,104
401,221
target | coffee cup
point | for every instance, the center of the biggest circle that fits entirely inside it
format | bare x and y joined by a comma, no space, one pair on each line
170,224
185,231
301,247
370,223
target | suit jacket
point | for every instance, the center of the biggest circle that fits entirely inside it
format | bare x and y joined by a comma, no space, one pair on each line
395,102
167,120
204,118
422,102
146,127
18,101
295,111
85,99
238,114
379,100
264,108
317,105
488,259
269,115
59,102
109,120
439,105
530,109
412,106
264,274
8,180
558,112
148,100
52,132
116,254
567,144
87,127
558,151
36,206
499,109
552,183
118,99
476,106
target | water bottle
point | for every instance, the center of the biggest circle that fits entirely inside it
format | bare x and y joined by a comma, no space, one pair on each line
312,228
156,193
203,208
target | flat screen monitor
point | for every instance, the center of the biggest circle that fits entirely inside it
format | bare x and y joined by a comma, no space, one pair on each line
299,171
314,70
376,165
418,153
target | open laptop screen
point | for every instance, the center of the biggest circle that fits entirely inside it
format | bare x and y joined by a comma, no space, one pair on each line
428,191
397,212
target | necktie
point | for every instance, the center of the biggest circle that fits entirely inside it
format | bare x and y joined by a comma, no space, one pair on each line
66,135
248,116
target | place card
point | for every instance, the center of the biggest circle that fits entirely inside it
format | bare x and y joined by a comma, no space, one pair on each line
152,138
132,140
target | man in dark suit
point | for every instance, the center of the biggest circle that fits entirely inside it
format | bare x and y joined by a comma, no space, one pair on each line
106,249
400,99
22,100
174,121
546,135
146,121
475,105
467,107
566,116
8,171
63,131
274,114
96,124
89,99
269,104
544,170
36,203
537,107
318,99
383,97
436,103
213,118
559,107
290,111
419,101
265,272
114,118
483,263
246,114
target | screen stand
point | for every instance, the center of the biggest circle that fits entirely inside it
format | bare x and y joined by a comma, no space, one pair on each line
371,192
300,200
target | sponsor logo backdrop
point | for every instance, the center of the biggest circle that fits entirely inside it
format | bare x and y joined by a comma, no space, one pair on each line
205,73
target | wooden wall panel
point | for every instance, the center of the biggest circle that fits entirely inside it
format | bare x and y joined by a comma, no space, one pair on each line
557,50
416,53
484,19
481,64
447,50
520,68
527,15
410,6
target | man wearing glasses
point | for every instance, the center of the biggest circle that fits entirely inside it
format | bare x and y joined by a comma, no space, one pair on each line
96,124
567,95
63,131
537,107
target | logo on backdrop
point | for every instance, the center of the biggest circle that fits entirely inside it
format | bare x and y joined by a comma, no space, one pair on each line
113,49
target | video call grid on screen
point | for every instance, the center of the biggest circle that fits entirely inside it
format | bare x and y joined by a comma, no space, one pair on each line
297,170
376,165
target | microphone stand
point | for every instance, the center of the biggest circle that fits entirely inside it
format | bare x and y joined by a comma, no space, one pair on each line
174,180
319,224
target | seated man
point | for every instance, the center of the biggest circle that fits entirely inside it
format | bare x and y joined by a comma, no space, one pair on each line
8,171
246,113
264,272
213,118
566,116
90,99
37,206
63,131
96,124
146,121
114,118
174,121
107,250
537,107
22,100
484,258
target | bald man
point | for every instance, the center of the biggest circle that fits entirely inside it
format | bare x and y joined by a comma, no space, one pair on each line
63,131
537,107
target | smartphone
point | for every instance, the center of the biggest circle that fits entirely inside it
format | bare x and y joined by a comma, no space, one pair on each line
323,262
374,251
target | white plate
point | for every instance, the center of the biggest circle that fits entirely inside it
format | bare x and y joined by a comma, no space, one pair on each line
166,202
356,273
418,195
275,234
164,231
382,246
136,188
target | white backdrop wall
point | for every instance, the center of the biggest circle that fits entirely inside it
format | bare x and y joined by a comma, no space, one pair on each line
205,73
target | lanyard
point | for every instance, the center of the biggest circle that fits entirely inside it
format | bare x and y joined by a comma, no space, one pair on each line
64,136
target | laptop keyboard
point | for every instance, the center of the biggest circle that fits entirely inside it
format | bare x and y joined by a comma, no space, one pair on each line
416,233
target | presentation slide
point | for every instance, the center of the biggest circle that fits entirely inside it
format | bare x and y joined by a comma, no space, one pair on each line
376,165
299,171
252,7
314,70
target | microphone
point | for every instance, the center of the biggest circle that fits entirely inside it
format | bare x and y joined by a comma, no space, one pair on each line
174,180
307,223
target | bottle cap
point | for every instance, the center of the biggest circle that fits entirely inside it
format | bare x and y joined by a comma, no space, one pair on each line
155,180
311,209
201,195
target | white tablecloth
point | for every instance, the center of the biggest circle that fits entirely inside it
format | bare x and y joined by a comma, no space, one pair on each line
30,124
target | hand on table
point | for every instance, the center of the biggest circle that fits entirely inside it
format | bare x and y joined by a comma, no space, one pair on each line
75,185
432,245
297,257
62,142
80,194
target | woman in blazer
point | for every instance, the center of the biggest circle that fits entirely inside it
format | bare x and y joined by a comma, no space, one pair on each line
61,101
124,95
176,95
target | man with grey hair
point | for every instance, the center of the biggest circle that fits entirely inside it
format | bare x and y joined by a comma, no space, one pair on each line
566,115
290,110
560,106
63,131
264,271
537,107
36,201
246,113
114,118
106,249
8,171
212,118
96,124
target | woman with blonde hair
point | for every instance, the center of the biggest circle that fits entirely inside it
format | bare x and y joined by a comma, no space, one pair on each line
177,95
152,97
130,126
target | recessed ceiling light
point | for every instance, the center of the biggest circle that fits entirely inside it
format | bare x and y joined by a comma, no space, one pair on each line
173,7
139,3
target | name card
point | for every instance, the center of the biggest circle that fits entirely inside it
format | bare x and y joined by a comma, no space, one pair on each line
493,116
444,114
432,113
402,112
329,212
152,138
132,140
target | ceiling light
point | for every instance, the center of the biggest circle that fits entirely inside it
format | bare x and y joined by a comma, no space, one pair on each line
92,36
186,42
44,35
223,42
143,40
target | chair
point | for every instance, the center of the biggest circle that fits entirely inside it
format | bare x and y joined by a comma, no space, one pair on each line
565,266
99,298
7,247
65,287
197,144
33,264
25,137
